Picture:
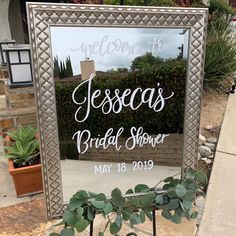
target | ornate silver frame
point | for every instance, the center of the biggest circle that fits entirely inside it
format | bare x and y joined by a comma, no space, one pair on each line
43,15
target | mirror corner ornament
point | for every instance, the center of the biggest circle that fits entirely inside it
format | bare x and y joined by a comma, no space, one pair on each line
41,16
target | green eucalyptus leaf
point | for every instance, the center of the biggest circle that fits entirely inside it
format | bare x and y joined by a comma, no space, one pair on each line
173,204
126,213
90,213
98,204
142,216
81,195
190,174
135,219
189,195
180,190
114,229
187,204
149,215
135,201
159,200
166,186
101,197
176,218
148,199
108,208
201,176
194,215
69,218
80,212
81,225
166,214
67,232
75,203
92,195
171,192
117,199
168,179
141,188
54,234
100,234
129,191
118,220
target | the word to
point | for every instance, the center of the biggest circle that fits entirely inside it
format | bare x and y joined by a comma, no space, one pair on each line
153,97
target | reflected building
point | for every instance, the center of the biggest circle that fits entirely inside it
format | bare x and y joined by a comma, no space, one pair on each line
87,68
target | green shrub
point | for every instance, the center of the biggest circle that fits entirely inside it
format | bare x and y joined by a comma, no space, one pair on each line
220,60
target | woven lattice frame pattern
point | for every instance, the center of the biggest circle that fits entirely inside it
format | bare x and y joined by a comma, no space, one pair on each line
42,16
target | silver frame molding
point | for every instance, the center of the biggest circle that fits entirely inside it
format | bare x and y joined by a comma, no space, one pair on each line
43,15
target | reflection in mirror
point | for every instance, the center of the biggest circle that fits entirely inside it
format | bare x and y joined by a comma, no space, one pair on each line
120,96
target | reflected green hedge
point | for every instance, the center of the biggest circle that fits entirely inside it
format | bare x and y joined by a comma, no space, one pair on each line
172,77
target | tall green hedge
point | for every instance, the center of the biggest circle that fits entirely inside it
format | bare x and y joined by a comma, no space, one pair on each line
172,77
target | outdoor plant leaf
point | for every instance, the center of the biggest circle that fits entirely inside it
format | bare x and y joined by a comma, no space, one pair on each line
135,219
148,199
180,190
81,225
90,213
166,214
118,220
176,218
67,232
54,234
80,211
159,200
135,202
173,204
141,188
126,213
171,192
187,204
201,177
98,204
82,195
142,216
69,218
168,179
117,199
108,208
114,229
194,215
101,197
75,203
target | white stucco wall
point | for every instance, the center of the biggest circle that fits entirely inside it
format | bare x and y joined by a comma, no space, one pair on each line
5,32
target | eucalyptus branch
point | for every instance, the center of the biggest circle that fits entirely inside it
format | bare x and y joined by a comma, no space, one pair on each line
175,200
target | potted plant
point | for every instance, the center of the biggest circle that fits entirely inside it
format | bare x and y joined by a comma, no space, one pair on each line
24,160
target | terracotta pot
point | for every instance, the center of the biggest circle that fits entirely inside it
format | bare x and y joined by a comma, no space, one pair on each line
27,180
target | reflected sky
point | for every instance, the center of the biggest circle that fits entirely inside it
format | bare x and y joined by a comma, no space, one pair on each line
113,48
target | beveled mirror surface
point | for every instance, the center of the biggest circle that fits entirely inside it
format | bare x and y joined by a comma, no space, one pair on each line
120,111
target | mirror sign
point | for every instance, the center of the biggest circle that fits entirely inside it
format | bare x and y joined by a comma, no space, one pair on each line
122,118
